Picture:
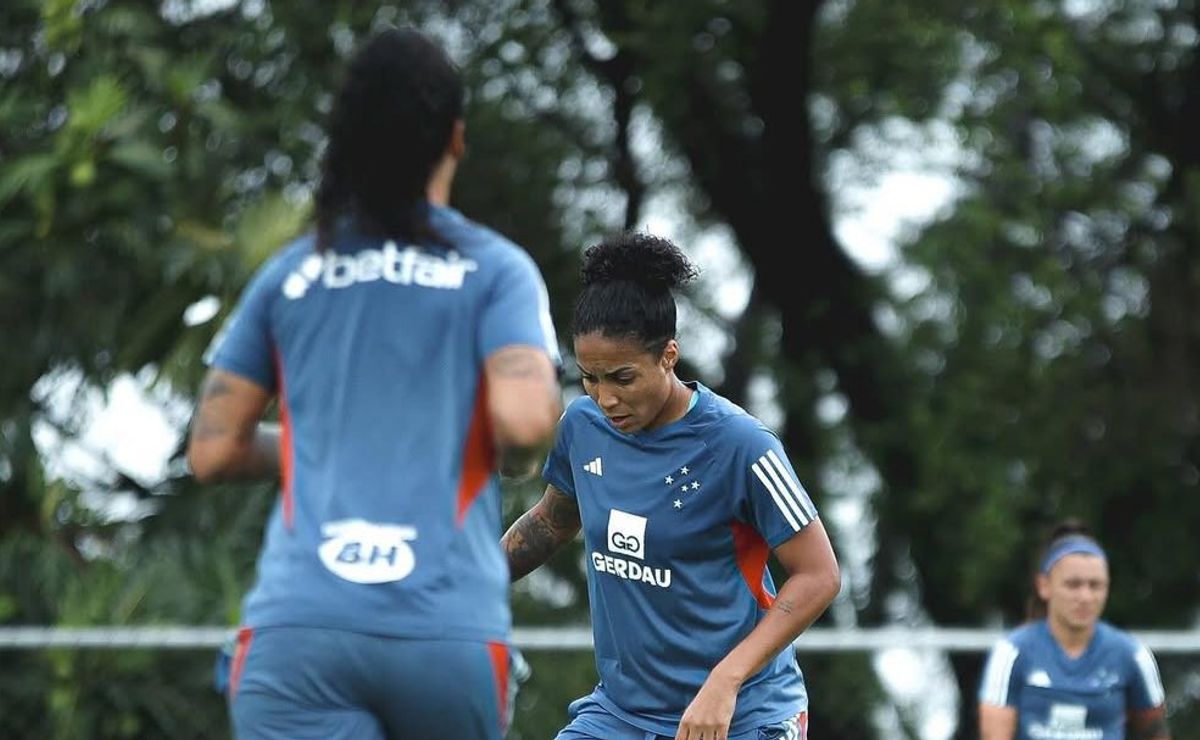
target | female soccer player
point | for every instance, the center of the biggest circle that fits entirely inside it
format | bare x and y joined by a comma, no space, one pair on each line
412,355
682,496
1067,674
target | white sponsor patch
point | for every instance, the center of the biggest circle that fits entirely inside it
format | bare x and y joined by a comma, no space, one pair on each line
627,534
365,552
1066,722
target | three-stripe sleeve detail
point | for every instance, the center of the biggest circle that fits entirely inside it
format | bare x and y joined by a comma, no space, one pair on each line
784,490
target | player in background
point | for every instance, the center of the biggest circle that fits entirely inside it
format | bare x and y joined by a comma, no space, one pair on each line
1067,674
412,357
681,496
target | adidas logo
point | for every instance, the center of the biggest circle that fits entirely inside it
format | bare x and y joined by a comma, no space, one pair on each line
595,467
391,264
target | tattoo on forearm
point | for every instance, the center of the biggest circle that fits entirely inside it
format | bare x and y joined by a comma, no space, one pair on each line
785,606
534,537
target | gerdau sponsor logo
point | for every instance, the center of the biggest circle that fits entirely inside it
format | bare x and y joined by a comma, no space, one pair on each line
627,536
631,570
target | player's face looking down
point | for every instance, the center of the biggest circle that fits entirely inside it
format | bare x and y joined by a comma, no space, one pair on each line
636,389
1075,591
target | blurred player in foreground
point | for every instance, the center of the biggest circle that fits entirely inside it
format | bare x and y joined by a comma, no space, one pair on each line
412,356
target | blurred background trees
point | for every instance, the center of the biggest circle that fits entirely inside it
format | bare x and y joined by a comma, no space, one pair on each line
1030,353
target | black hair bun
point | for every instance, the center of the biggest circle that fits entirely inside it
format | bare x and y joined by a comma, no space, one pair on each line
651,261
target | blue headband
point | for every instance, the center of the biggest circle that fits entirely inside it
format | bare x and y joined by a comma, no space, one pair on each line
1071,545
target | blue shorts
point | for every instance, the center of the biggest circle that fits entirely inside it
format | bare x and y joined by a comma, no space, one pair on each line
292,683
591,721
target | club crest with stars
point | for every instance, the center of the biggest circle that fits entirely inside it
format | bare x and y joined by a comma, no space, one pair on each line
684,485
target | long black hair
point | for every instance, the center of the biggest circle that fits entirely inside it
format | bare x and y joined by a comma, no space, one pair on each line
627,284
391,122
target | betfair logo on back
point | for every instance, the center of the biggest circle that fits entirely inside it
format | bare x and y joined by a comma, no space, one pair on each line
406,266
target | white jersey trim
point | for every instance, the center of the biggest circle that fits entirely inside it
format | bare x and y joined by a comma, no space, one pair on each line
1148,667
784,490
998,673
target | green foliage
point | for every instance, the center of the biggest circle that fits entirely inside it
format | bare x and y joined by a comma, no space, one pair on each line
1044,368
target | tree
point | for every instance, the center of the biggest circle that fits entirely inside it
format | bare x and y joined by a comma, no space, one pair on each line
151,159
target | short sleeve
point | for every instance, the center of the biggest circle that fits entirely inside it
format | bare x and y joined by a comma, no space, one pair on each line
776,504
1145,689
518,310
244,344
996,687
557,470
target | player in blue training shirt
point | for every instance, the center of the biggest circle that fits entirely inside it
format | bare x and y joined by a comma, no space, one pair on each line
681,496
1069,675
412,357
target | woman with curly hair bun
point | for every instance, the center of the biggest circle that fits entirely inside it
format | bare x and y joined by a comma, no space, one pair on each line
681,496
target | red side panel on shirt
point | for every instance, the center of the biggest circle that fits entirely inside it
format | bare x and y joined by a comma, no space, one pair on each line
499,653
479,455
244,638
286,450
751,551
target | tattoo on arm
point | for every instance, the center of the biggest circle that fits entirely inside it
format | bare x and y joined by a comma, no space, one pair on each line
516,364
215,386
232,442
533,538
785,606
209,424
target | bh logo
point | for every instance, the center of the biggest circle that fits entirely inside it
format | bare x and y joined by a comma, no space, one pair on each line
627,534
365,552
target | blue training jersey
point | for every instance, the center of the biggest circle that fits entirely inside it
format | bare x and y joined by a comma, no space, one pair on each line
389,516
1062,698
678,523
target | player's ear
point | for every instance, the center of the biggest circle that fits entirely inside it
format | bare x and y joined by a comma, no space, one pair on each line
1043,586
670,355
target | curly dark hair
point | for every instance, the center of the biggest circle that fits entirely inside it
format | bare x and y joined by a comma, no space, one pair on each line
627,284
390,125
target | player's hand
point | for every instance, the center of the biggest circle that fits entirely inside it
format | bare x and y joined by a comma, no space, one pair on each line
709,714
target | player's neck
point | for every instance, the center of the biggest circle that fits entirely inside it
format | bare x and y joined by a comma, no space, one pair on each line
1073,640
680,401
677,405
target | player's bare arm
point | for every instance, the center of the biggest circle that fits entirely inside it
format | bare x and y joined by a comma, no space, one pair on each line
531,540
1149,724
227,440
524,403
813,581
997,723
